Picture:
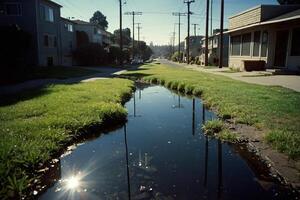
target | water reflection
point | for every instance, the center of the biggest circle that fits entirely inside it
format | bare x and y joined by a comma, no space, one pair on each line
154,156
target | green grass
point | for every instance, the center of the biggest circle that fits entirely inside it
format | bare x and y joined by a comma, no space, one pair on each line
39,123
213,127
273,109
228,136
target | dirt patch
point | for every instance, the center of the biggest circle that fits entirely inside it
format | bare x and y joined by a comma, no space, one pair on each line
286,169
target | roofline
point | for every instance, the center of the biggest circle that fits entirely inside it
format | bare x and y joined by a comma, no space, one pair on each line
63,18
245,11
52,2
265,23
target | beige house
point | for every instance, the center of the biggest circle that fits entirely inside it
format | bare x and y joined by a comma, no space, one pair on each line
265,36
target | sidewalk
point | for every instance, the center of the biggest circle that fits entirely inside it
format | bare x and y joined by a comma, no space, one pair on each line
104,72
262,78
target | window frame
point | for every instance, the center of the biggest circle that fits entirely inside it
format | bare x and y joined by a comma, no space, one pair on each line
293,43
51,41
231,44
13,3
264,43
248,42
45,13
257,42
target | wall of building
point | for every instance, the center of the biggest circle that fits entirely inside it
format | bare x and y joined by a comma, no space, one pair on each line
292,62
51,29
68,42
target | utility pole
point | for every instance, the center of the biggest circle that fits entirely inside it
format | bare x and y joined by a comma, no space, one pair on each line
174,33
133,13
195,29
206,33
139,28
188,2
221,35
179,24
121,34
211,18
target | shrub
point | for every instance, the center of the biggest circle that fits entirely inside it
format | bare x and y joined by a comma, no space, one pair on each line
91,54
213,127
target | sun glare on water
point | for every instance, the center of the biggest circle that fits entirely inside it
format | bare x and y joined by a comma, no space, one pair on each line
73,182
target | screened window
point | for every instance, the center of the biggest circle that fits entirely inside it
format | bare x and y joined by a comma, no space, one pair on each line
47,13
256,43
264,44
13,9
246,41
236,45
296,42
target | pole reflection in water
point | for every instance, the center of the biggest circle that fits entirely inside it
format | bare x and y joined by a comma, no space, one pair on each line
127,163
140,94
134,105
220,171
206,148
193,118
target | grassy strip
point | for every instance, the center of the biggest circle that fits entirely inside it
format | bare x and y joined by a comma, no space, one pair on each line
55,72
274,109
41,122
218,129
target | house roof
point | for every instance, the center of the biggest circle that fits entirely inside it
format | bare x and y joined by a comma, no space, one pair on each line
54,3
66,19
81,22
282,18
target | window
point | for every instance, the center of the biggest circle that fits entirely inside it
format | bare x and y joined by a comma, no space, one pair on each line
246,41
50,41
264,44
296,42
13,9
46,40
70,27
47,13
256,43
236,45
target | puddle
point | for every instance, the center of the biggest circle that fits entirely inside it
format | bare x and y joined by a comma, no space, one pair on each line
168,157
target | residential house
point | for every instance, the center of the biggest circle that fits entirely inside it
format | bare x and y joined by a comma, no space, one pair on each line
214,49
265,36
68,41
40,18
94,32
195,45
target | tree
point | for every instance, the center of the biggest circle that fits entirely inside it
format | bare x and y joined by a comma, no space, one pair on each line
99,19
126,36
288,2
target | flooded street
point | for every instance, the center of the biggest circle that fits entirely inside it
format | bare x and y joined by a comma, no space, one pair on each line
169,157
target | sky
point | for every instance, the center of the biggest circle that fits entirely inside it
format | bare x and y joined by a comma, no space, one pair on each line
156,20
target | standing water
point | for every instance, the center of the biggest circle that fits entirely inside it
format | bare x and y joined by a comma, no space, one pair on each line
168,157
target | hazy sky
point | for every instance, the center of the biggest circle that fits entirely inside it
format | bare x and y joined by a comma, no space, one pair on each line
157,21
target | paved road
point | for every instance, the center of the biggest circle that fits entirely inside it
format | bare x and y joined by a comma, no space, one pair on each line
288,81
104,72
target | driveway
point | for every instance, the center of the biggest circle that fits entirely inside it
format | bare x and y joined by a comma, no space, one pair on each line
262,78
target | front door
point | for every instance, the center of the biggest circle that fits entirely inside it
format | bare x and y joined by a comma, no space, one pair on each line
282,38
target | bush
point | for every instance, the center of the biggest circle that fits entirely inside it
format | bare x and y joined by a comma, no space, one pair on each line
176,55
91,54
15,53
